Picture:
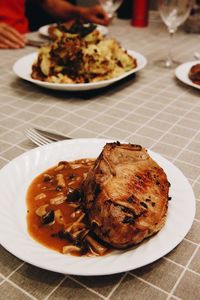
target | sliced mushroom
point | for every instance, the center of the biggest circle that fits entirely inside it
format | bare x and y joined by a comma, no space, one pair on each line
76,213
71,182
76,166
74,205
60,180
60,198
48,218
47,178
71,249
80,235
59,167
44,188
40,196
42,210
74,195
65,163
97,247
84,233
48,188
69,227
95,224
77,227
59,216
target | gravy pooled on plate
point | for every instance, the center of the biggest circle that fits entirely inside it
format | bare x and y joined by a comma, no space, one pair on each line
55,215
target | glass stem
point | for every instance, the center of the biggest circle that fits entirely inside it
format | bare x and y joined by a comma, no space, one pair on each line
169,60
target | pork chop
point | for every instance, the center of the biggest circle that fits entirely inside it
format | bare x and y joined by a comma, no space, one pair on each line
126,195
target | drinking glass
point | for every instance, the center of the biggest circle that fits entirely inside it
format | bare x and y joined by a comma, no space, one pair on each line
173,14
110,6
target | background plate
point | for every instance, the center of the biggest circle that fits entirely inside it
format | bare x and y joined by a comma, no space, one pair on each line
44,30
182,73
17,175
23,69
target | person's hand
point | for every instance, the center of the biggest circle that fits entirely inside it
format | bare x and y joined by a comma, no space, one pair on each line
95,14
10,38
62,10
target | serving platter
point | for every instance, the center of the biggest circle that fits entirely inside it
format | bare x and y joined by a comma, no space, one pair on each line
182,72
44,30
15,179
23,68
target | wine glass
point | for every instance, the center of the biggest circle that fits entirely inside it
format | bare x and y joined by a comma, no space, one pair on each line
110,6
173,14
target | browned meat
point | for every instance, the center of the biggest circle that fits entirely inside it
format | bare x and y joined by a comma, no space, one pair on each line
194,74
126,195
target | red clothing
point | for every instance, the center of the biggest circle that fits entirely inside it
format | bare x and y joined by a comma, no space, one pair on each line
12,12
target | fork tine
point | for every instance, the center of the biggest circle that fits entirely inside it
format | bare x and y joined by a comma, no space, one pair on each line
35,141
36,138
39,136
41,140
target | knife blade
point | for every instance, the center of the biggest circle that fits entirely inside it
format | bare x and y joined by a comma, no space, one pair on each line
51,135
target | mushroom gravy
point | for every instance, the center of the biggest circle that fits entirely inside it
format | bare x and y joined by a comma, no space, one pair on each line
55,213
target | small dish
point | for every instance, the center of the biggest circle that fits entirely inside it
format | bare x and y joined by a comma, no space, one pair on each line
44,30
182,72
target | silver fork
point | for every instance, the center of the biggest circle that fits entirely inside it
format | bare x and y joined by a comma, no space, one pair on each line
40,137
36,138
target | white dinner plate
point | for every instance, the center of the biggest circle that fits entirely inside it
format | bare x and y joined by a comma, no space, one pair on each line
44,29
23,69
17,175
182,72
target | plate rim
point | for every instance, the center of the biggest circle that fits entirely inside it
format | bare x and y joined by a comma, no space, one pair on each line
186,67
75,86
88,272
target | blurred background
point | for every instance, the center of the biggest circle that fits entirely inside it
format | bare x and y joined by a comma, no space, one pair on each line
152,3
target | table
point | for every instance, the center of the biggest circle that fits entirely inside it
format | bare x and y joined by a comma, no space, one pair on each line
153,109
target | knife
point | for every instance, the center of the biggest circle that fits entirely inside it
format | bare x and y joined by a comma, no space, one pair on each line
35,43
51,135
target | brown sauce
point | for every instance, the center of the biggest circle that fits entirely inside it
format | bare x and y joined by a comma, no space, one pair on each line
54,206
